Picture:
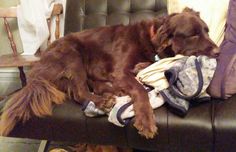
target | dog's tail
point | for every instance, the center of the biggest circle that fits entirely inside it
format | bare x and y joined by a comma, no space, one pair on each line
35,98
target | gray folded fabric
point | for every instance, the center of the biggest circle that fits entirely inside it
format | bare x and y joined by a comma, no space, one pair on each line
188,80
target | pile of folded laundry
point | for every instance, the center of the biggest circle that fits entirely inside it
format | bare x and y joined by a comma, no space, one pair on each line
179,81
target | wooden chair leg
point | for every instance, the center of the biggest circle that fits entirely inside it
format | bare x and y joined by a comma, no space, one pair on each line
14,49
22,76
10,36
43,147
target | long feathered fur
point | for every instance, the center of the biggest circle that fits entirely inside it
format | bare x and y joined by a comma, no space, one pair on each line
48,83
35,98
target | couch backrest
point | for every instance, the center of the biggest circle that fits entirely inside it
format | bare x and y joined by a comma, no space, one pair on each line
84,14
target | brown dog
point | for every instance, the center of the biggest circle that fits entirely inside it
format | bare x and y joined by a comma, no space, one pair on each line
101,60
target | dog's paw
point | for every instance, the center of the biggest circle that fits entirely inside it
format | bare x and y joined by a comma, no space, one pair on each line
108,102
146,126
140,66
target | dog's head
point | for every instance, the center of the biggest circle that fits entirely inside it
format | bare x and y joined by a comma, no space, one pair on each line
183,33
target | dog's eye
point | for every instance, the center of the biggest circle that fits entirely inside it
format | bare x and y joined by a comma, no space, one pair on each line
180,35
194,37
196,32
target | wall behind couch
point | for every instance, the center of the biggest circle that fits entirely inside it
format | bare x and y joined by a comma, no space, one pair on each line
9,77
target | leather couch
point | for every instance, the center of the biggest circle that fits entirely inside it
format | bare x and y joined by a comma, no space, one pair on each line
207,127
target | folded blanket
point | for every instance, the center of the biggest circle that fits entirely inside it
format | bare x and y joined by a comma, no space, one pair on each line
123,109
154,76
188,79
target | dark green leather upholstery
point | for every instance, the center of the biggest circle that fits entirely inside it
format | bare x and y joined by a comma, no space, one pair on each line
84,14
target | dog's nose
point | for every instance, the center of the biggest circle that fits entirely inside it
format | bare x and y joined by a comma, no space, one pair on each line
215,52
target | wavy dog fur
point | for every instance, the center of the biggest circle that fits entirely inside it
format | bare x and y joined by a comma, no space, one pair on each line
35,98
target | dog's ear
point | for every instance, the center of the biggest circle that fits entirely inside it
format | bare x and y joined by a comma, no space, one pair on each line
189,10
161,37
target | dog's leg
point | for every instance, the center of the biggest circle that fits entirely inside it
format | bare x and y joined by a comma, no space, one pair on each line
82,93
80,88
100,87
144,116
79,83
106,90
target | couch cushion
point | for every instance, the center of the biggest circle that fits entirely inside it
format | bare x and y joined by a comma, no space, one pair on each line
160,142
68,123
225,125
86,14
223,82
193,132
100,131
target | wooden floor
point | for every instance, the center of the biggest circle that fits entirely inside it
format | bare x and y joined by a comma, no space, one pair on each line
27,145
18,145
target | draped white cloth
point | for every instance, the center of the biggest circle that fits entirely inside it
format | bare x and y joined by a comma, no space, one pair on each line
32,22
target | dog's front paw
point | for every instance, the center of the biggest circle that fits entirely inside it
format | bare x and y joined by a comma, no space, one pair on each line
146,125
108,102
